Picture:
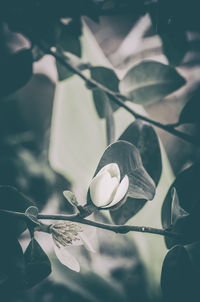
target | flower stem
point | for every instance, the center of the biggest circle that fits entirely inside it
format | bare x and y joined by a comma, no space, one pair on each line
119,98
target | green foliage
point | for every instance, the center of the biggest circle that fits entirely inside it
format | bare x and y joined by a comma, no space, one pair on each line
150,81
37,263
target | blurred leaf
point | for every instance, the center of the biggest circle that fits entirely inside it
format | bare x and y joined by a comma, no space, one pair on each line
144,137
174,39
32,214
13,200
38,265
175,46
16,71
150,81
178,278
191,111
127,157
109,79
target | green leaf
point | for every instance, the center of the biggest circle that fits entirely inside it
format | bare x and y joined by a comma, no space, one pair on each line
191,111
127,210
144,137
71,198
182,207
194,255
109,79
150,81
127,157
38,266
32,214
13,200
12,264
178,278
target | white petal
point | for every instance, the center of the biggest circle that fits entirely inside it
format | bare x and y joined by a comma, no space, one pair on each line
121,191
86,242
66,258
102,188
113,170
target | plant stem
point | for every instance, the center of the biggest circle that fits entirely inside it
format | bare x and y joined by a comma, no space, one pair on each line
119,98
121,229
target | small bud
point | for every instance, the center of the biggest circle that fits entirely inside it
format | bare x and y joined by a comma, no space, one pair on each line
106,190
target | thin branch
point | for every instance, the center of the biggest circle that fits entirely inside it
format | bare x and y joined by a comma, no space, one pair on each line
119,98
121,229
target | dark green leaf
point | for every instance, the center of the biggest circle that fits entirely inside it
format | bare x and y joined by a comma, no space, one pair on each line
32,214
127,210
194,255
174,39
191,111
144,137
12,265
38,265
108,78
175,46
150,81
13,200
178,278
16,71
186,208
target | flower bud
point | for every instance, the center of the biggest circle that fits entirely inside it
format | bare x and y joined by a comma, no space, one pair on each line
106,190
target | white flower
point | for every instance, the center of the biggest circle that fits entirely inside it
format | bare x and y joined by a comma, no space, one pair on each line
66,234
106,190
